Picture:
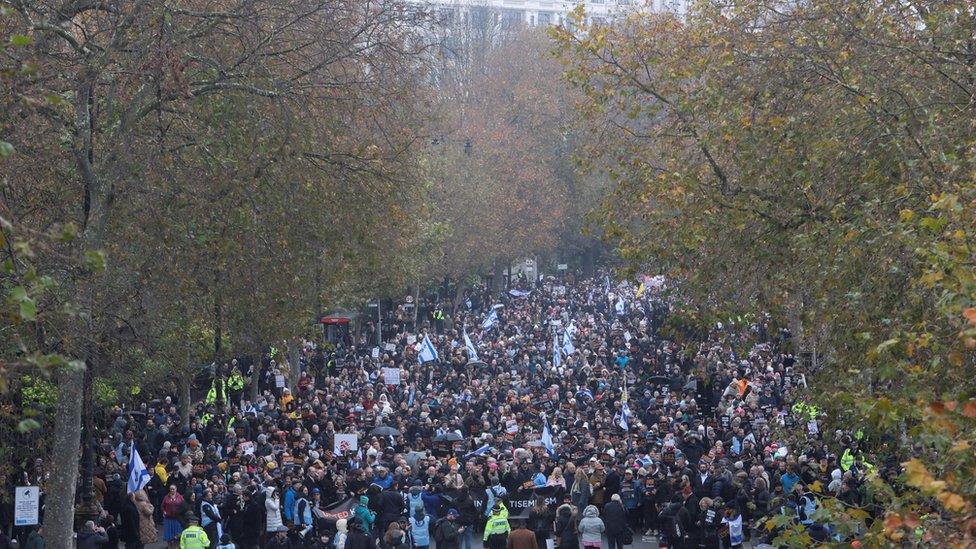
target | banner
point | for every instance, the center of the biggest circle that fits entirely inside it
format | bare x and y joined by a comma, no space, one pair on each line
391,376
521,502
337,511
345,443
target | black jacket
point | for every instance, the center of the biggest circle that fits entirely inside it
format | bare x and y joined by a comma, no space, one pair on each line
390,504
614,518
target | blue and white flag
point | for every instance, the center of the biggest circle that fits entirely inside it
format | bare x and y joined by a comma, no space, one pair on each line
568,347
547,439
584,394
557,359
478,452
427,351
472,352
519,293
624,416
490,322
138,474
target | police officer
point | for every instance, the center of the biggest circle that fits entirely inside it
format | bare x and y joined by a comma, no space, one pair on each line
193,537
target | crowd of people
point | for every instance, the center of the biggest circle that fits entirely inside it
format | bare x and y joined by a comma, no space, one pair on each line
557,414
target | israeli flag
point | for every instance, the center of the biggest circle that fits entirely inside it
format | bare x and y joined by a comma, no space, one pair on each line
478,452
584,394
557,359
624,416
547,439
138,474
568,347
472,352
490,322
427,351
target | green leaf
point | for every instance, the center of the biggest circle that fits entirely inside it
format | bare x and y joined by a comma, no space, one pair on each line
26,425
21,40
28,309
95,260
6,149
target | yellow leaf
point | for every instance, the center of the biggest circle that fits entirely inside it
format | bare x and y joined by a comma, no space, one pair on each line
952,501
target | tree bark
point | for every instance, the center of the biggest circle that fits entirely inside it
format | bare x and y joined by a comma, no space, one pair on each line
255,376
60,506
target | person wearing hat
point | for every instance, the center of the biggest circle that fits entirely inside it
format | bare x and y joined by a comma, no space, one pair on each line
447,532
193,536
497,527
280,540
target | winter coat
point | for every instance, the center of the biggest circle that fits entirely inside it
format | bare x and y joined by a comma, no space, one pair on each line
566,533
615,518
272,509
147,524
591,528
90,539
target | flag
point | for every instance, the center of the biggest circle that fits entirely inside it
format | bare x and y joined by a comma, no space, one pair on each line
568,347
624,416
478,452
490,322
427,351
547,438
138,474
584,394
519,293
557,359
472,352
640,291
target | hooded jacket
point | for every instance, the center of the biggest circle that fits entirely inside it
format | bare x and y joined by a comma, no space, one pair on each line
591,527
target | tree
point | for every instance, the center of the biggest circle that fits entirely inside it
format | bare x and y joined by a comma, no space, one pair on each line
201,140
813,159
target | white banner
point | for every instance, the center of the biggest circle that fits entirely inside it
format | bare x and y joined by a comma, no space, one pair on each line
391,376
345,443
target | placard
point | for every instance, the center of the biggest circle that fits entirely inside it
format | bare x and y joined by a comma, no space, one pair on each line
376,353
391,376
411,339
511,426
27,501
280,381
345,443
247,448
813,427
389,347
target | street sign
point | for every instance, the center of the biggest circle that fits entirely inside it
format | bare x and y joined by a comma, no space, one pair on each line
27,500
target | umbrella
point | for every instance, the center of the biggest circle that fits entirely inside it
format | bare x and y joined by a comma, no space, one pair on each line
385,431
477,363
661,380
448,437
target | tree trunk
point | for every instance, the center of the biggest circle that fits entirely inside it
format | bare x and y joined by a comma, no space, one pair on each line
294,354
458,293
186,380
589,261
255,376
60,506
218,319
496,280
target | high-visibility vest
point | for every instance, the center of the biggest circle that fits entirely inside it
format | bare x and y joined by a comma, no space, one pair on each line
205,419
236,381
194,538
846,460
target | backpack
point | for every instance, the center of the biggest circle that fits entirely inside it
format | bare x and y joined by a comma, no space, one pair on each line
438,532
